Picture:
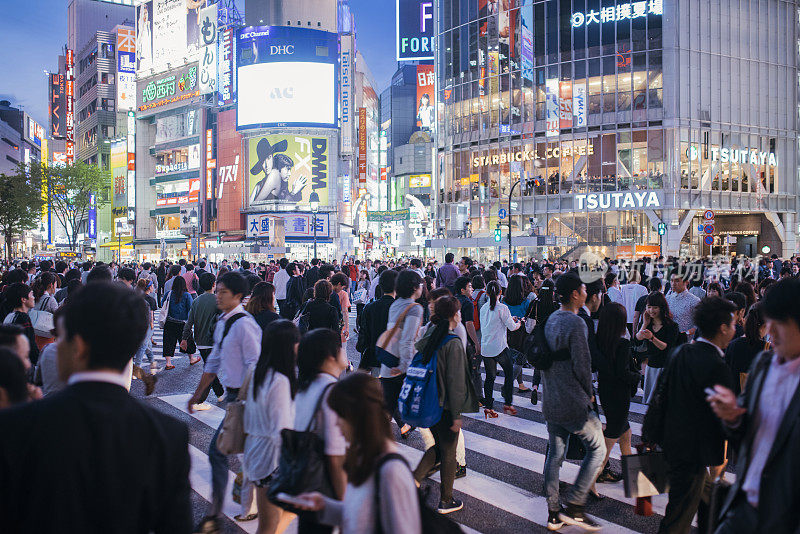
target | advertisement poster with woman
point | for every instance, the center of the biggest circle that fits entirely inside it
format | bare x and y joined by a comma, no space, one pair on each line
426,118
288,168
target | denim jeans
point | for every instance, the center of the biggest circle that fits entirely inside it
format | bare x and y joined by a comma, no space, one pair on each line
145,349
219,466
590,432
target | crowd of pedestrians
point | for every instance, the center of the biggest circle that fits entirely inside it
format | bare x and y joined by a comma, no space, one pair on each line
713,353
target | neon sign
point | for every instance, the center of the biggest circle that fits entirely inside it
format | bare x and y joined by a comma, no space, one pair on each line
632,10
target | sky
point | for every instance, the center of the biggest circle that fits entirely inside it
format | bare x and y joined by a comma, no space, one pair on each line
33,33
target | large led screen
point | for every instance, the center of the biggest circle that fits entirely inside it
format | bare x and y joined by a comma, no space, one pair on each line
286,77
286,94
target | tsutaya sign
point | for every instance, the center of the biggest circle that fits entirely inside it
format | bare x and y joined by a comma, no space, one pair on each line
618,200
736,155
530,155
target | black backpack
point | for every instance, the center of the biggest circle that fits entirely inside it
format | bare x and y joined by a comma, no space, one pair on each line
538,352
432,521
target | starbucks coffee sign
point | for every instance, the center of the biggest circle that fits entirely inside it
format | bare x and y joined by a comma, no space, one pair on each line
618,200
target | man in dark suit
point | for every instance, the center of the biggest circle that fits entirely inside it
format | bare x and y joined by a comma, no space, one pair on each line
766,425
374,320
312,275
91,458
693,438
295,288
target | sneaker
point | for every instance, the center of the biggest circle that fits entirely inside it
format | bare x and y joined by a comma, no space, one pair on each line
535,396
454,505
201,407
574,515
554,522
461,471
607,475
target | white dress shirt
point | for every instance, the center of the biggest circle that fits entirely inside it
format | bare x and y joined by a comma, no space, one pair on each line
494,327
779,387
238,353
280,280
264,418
100,376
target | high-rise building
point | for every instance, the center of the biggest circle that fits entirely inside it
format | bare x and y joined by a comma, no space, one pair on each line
614,119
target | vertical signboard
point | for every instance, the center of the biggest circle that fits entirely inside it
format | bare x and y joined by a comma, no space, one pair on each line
414,30
526,41
425,98
362,145
579,105
131,167
92,234
346,88
70,105
551,107
208,49
126,69
226,80
119,173
211,164
57,113
565,105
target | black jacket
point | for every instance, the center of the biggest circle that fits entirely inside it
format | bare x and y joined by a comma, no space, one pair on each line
591,335
295,288
93,459
374,319
321,315
779,493
693,435
312,276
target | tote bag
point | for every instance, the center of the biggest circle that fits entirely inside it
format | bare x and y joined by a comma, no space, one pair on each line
231,436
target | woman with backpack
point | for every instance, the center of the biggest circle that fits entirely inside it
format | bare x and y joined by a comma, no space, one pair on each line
268,410
456,396
496,321
381,494
180,301
320,362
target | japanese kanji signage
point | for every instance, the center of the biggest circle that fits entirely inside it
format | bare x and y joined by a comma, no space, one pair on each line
208,49
631,10
294,225
362,145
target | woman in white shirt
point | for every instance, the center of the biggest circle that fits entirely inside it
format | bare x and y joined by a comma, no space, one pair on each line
268,410
631,293
380,485
496,321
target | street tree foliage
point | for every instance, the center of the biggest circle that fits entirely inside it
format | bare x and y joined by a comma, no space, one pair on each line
69,190
20,204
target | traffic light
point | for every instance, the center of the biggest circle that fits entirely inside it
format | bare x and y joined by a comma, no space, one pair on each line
497,236
662,228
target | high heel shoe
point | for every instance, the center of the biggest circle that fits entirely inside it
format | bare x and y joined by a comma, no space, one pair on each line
488,413
509,410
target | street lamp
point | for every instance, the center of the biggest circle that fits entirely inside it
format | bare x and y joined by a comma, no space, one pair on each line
193,222
313,201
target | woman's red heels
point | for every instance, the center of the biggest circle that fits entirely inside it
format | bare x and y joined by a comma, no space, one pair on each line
488,413
509,410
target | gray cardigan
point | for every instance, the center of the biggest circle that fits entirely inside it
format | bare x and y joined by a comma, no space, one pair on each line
567,384
402,344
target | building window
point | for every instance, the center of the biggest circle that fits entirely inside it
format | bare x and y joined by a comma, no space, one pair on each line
107,50
108,104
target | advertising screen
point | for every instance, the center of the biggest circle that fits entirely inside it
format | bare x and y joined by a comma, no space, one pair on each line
167,31
286,77
177,86
288,168
426,119
119,172
414,30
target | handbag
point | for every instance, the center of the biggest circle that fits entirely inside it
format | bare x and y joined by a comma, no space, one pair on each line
384,356
42,320
645,474
163,313
302,466
301,320
231,436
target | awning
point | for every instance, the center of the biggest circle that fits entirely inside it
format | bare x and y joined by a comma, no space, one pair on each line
125,242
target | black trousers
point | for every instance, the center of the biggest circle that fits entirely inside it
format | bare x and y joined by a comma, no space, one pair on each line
173,331
282,309
215,385
444,449
391,392
491,372
686,486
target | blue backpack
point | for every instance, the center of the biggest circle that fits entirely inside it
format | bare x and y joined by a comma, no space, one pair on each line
418,402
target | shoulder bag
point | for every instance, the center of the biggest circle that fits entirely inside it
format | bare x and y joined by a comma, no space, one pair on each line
42,320
384,356
163,313
302,466
231,436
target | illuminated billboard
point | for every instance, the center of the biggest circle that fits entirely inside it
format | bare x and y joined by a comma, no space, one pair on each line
286,77
426,119
288,168
414,30
178,86
119,173
58,115
167,33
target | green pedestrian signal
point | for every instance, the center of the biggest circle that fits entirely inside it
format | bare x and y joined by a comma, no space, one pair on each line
662,228
497,236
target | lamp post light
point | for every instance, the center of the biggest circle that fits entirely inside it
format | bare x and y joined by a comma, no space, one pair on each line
313,201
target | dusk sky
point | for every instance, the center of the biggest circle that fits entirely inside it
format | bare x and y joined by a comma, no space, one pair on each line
33,32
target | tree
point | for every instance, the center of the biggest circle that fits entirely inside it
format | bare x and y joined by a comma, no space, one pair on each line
69,191
21,204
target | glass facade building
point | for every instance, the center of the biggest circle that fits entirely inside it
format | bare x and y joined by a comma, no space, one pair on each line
613,117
